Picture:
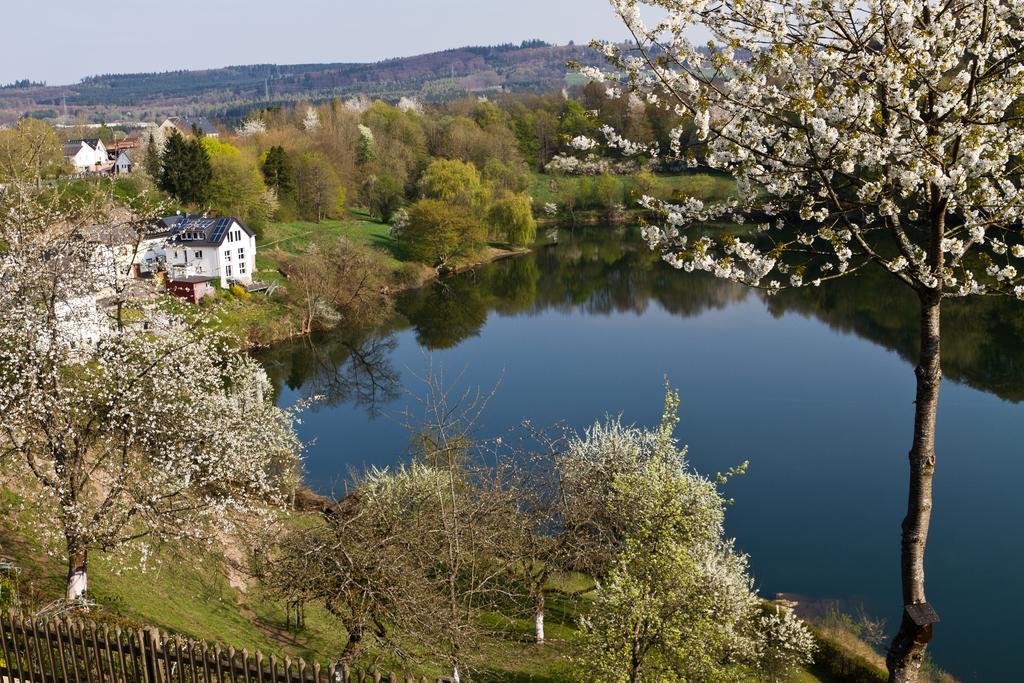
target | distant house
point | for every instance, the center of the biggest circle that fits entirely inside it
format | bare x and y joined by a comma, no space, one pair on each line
185,126
118,146
85,155
122,163
202,246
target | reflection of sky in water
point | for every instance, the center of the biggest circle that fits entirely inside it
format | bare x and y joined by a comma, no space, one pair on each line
823,417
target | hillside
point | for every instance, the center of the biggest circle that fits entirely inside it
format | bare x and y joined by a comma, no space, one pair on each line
230,91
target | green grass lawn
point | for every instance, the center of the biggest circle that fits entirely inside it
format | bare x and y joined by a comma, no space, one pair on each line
296,237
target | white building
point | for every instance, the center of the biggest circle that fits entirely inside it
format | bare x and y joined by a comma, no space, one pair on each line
122,163
200,246
85,155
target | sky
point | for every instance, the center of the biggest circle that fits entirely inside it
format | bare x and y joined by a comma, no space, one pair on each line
61,41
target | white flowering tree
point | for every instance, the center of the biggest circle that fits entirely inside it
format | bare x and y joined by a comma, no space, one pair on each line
311,121
861,133
119,433
250,127
675,600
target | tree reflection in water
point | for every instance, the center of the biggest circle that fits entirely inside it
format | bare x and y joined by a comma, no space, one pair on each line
339,367
599,271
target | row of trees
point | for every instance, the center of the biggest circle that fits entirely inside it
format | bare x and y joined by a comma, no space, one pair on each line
310,162
411,560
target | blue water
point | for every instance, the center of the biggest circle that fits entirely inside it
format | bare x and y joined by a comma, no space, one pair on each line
815,390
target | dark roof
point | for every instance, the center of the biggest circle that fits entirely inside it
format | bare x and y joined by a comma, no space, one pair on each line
92,142
192,280
185,124
198,229
72,148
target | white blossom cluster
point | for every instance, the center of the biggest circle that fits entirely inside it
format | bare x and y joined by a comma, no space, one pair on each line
592,164
365,136
785,643
358,103
311,121
251,127
399,222
878,131
407,104
583,143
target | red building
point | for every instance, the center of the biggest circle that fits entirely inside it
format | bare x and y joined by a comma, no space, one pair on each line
191,288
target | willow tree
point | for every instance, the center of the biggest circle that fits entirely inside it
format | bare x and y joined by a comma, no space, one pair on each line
861,134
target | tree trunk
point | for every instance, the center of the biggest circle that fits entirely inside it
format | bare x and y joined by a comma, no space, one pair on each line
906,652
538,617
78,581
352,645
634,663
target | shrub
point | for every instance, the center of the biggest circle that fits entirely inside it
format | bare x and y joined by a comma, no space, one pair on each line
238,291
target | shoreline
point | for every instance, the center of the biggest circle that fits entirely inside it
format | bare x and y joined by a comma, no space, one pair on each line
432,275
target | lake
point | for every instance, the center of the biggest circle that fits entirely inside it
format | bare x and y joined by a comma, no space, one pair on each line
814,388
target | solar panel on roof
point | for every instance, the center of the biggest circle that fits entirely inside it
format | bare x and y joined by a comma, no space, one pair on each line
220,228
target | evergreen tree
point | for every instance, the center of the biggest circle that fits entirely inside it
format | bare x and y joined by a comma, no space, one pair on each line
186,172
277,172
153,162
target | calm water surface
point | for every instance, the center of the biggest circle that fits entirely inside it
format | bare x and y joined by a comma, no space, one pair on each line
814,388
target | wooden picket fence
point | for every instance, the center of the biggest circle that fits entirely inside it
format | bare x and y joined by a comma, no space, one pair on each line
64,650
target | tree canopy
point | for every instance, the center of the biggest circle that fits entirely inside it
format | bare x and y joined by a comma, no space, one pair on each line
878,134
185,171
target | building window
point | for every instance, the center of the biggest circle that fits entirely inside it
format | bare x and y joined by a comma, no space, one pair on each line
227,255
241,253
241,268
227,270
199,254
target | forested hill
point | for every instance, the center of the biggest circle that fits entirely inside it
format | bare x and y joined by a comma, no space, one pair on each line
230,91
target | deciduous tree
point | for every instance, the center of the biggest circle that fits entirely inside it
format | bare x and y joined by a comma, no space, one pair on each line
454,182
333,283
28,152
316,184
512,218
442,234
383,195
875,134
676,601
